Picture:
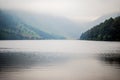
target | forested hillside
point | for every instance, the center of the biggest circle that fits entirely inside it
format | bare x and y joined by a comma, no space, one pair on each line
109,30
12,28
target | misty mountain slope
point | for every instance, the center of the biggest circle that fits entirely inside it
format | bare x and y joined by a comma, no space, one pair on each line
109,30
13,28
99,20
46,26
54,25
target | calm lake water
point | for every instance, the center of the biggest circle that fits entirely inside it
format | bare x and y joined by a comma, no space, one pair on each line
59,60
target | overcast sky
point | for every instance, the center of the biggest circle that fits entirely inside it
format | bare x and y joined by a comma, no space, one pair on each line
78,10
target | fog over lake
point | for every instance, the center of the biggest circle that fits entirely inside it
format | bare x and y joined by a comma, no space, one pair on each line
52,39
59,60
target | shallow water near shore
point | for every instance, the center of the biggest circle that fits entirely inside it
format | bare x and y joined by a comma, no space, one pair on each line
59,60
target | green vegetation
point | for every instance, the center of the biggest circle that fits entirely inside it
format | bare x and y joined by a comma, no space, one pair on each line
109,30
12,28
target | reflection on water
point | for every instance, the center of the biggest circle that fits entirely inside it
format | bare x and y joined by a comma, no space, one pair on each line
26,60
111,58
59,60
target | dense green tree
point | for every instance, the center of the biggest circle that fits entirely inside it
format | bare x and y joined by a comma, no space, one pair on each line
109,30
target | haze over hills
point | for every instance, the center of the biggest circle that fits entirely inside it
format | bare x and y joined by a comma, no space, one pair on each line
88,25
26,25
56,26
61,18
13,28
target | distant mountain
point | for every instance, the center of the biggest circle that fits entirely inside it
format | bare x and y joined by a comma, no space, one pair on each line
55,25
101,19
28,25
109,30
13,28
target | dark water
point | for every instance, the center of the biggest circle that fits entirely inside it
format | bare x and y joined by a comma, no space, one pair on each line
59,60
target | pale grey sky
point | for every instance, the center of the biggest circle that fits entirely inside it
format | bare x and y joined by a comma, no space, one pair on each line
77,10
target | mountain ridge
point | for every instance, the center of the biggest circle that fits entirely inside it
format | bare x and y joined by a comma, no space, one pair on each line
12,28
109,30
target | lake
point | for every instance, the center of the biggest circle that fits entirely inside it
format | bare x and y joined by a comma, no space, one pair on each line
59,60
